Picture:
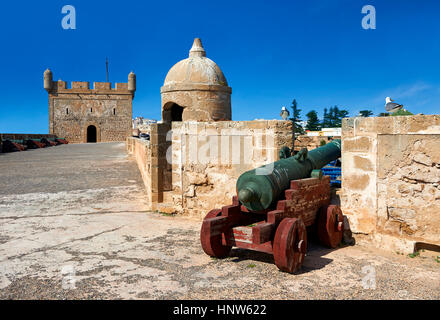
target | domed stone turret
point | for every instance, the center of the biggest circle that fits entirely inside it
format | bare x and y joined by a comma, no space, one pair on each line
195,89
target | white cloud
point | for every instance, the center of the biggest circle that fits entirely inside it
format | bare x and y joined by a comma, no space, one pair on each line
402,92
418,97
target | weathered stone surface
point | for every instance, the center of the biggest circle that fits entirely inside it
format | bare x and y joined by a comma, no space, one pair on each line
357,181
357,144
398,196
363,163
410,179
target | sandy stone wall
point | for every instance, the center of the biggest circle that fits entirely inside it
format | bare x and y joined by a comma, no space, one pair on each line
194,167
72,110
390,180
141,151
311,142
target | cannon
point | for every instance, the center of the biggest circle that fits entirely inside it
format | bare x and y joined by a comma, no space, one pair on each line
275,207
61,141
34,144
13,145
48,142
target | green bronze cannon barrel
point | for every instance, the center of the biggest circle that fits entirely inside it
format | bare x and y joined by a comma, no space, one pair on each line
259,188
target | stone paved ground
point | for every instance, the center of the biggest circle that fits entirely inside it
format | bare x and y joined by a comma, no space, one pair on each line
73,225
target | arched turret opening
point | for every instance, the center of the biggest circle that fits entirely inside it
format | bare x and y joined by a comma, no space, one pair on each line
172,112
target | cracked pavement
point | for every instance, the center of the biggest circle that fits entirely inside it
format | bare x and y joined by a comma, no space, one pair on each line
74,225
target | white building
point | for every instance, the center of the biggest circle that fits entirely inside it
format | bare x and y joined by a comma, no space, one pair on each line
143,124
326,132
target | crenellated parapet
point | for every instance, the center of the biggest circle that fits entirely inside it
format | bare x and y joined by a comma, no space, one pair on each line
60,86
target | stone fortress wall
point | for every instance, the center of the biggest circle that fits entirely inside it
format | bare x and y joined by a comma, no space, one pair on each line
204,161
391,180
141,151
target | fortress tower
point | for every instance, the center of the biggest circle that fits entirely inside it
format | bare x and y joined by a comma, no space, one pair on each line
81,114
195,89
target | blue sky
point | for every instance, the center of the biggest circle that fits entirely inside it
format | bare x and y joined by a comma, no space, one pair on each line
270,52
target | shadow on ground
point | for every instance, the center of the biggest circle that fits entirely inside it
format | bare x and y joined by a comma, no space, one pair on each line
315,258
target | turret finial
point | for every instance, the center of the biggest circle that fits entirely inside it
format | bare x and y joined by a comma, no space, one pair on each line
197,49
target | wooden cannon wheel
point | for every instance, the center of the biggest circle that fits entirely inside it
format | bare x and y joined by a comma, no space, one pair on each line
212,244
290,244
330,226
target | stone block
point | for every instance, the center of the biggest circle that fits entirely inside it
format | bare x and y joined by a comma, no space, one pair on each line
363,163
356,181
102,85
80,85
357,144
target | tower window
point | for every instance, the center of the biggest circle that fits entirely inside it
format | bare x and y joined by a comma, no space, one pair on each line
114,111
67,110
91,109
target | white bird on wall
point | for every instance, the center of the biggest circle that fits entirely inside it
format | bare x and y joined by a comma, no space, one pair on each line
284,113
391,106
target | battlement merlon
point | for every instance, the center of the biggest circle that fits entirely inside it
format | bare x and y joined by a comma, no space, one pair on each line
84,86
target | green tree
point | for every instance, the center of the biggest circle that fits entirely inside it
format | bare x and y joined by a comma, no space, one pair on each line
313,123
326,120
296,117
333,116
402,112
383,114
365,113
341,115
